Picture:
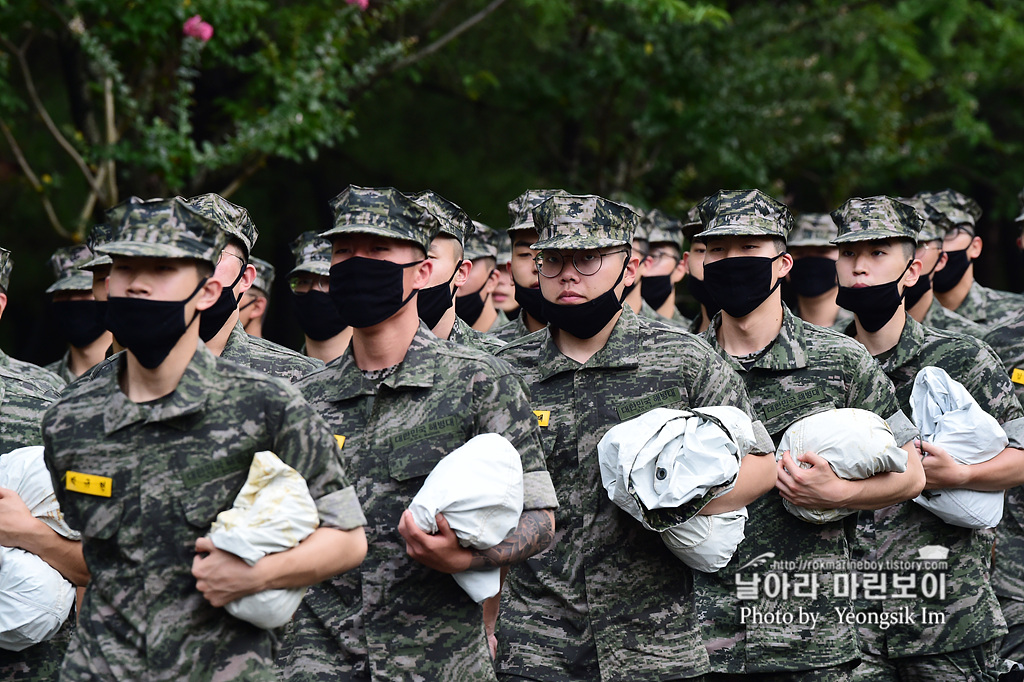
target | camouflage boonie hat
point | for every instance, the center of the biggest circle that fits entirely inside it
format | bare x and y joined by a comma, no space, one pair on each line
163,228
264,274
382,211
520,209
6,264
929,230
880,217
744,213
229,217
1020,202
101,233
663,228
480,244
452,219
812,229
950,209
583,222
65,263
312,254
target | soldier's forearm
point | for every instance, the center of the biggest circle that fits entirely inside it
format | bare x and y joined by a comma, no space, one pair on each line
325,553
756,477
886,489
535,533
63,554
1005,470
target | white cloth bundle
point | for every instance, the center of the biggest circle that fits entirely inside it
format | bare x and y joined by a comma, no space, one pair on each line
272,512
665,465
478,488
949,416
35,599
856,443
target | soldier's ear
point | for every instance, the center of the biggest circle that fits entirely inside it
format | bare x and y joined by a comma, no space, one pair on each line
209,294
462,274
3,303
974,250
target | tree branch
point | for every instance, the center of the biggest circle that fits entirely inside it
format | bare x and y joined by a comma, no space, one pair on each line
447,37
246,173
40,108
34,180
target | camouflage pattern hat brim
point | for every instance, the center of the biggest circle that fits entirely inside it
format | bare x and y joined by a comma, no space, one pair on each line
813,229
312,254
520,209
229,217
384,212
322,269
929,231
480,243
950,209
163,228
452,219
77,280
264,274
583,222
663,228
872,218
100,234
692,225
743,213
95,263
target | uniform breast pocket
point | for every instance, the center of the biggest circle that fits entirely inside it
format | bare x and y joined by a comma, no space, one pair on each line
211,487
417,449
94,504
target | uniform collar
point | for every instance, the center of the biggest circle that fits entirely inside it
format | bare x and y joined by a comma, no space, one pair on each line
973,306
785,353
236,349
907,348
5,360
343,379
621,351
188,398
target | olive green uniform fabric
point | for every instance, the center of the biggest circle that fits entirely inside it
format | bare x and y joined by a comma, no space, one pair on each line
1007,340
33,372
62,368
174,464
990,307
512,331
608,601
805,370
938,317
394,618
266,356
465,335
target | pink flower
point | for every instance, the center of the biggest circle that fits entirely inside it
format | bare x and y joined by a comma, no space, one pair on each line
363,4
197,28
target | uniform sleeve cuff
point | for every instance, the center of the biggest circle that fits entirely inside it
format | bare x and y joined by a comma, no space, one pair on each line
341,510
1015,432
763,444
902,428
538,491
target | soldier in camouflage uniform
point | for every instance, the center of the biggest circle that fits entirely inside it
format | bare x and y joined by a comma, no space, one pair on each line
151,445
473,302
813,276
665,268
693,260
252,307
504,295
792,369
877,239
451,271
25,369
78,315
228,339
22,403
957,216
326,336
399,400
608,601
522,234
920,299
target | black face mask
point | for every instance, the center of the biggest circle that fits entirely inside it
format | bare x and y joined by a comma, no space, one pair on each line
318,316
148,329
213,318
586,319
924,283
699,291
367,291
949,276
741,284
655,290
470,306
874,305
433,302
813,276
531,301
80,322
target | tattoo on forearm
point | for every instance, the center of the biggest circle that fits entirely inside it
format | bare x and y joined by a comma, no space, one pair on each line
535,532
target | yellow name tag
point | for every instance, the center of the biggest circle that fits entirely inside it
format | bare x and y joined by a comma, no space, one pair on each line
341,441
90,484
542,417
1017,376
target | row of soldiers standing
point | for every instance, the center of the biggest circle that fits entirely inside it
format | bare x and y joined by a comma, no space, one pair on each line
588,594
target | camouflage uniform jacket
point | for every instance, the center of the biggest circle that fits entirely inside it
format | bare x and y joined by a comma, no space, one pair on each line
501,321
465,335
22,403
807,369
1007,340
174,464
394,618
33,372
650,313
62,368
896,533
938,317
608,601
990,307
513,330
266,356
